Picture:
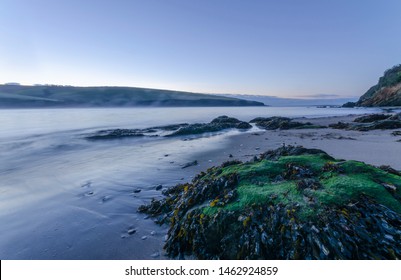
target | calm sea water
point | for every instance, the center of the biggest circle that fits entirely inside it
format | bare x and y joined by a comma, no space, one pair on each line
63,197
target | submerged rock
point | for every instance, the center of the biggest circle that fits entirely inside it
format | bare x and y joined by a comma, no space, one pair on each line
188,164
319,208
217,124
115,134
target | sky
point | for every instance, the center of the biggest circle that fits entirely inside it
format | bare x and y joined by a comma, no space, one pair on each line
286,48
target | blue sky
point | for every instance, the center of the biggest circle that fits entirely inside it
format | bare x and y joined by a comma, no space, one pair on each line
287,48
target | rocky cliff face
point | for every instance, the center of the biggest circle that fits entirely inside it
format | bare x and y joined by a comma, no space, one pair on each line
387,92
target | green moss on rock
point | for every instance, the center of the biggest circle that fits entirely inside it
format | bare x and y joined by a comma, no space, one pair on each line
290,203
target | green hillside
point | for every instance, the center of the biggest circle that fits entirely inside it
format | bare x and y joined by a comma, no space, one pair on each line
17,96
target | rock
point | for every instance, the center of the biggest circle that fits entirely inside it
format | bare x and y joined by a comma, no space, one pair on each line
349,105
364,125
396,133
115,134
137,190
289,203
155,255
389,169
371,118
188,164
159,187
144,237
131,231
281,123
217,124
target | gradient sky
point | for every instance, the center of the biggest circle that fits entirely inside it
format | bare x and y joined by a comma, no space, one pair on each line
280,48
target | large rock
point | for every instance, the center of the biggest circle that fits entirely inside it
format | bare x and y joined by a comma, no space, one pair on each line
290,203
282,123
217,124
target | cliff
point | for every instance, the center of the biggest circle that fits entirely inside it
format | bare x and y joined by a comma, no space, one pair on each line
387,92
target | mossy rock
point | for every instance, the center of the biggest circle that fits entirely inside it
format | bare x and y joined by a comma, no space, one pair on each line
290,203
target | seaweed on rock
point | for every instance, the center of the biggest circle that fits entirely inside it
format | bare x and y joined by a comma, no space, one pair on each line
289,203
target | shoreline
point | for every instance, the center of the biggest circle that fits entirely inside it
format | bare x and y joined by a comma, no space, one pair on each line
375,147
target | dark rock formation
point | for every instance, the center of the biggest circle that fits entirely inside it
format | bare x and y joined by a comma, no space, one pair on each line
115,134
371,118
281,123
290,203
217,124
371,122
349,105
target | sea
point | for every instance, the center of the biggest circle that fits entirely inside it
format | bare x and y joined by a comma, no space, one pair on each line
65,197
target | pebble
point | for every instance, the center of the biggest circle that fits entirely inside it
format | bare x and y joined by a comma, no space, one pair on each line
152,232
144,237
131,231
137,191
159,187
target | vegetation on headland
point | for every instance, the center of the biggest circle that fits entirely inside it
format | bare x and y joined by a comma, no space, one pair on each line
387,91
289,203
17,96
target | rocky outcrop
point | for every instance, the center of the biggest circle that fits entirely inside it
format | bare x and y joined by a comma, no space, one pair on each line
371,122
281,123
289,203
387,92
216,125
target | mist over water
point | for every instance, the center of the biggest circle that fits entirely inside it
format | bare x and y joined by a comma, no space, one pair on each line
64,197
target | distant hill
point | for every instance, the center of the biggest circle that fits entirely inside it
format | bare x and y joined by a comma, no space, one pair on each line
293,102
387,92
18,96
